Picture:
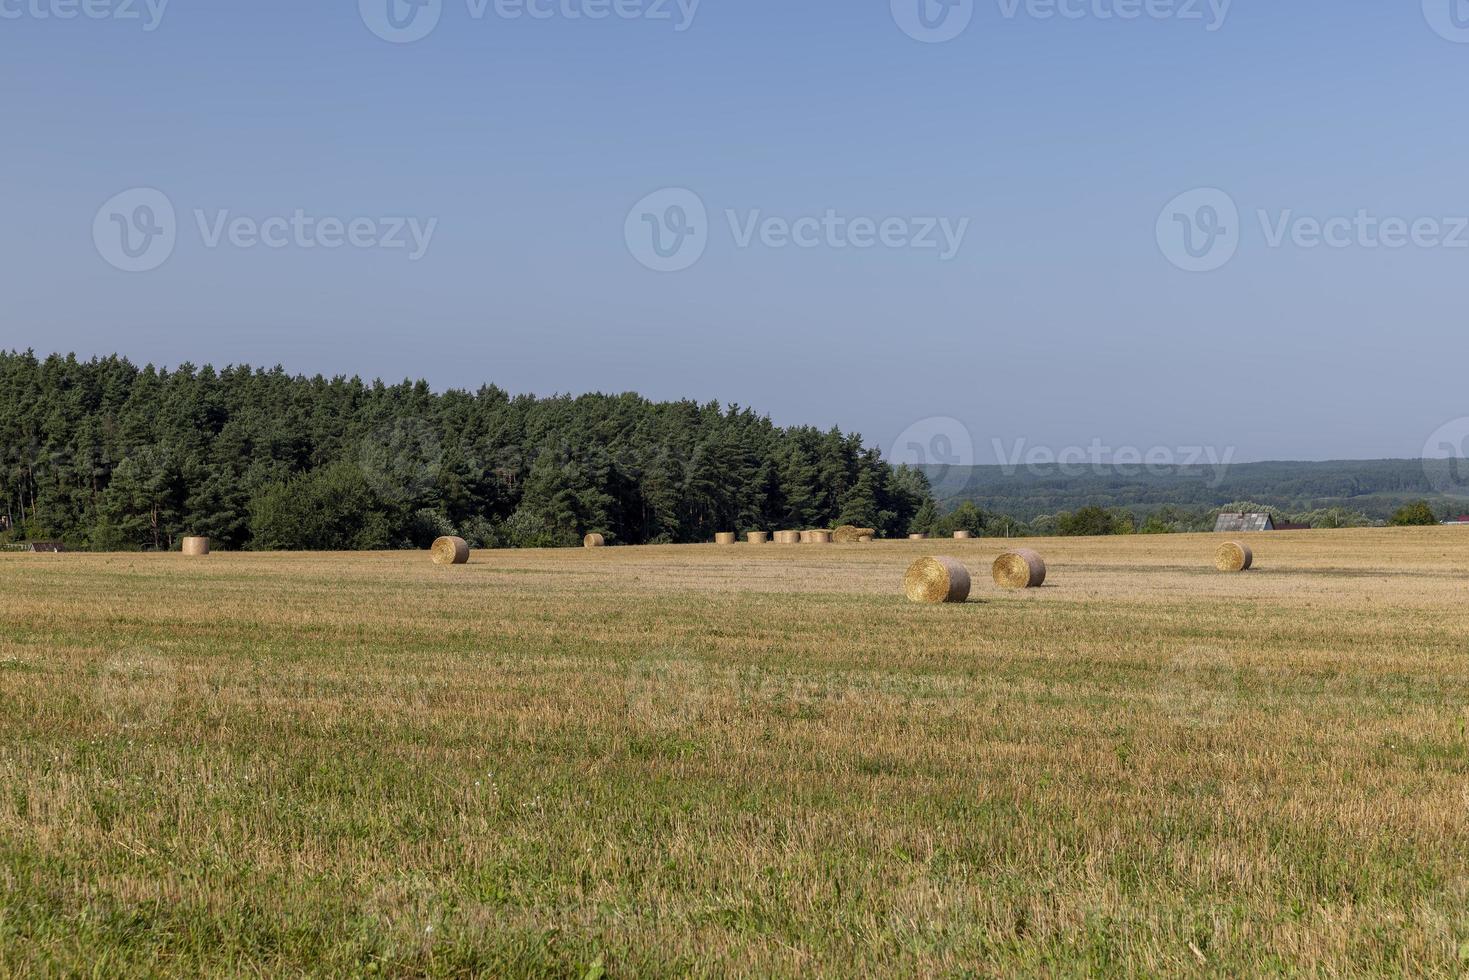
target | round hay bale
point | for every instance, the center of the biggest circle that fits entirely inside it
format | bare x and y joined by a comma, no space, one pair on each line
917,537
758,537
196,547
594,541
849,534
962,535
816,537
1020,569
1234,556
937,580
726,537
787,537
450,551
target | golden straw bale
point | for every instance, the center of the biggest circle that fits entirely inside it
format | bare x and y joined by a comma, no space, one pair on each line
450,551
937,580
594,541
196,547
726,537
757,537
1234,556
1020,569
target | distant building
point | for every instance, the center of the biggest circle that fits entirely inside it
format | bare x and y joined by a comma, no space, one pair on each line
46,547
1288,526
1462,519
1240,523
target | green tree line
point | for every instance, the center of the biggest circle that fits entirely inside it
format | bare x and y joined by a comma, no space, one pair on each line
1375,488
104,454
1094,520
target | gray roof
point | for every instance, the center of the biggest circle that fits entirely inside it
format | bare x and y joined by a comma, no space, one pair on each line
1244,522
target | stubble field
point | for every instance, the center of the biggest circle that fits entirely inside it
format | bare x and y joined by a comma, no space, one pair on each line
742,760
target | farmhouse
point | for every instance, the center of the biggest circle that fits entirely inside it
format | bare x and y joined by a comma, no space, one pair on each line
45,547
1461,521
1236,523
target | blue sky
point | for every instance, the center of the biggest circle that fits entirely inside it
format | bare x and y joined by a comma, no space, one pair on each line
527,152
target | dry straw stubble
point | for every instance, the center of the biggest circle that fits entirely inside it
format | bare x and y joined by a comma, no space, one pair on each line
450,551
1234,556
884,688
1020,569
937,580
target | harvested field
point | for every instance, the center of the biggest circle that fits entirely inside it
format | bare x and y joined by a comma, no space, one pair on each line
706,760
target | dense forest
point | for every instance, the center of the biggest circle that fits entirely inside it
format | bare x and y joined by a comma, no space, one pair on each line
104,454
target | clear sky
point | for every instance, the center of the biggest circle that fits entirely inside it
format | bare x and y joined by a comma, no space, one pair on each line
525,162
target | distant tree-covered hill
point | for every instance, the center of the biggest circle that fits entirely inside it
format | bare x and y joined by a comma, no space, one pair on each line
107,455
1377,488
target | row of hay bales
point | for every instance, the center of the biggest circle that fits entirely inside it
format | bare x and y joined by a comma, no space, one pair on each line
196,547
1021,568
846,534
937,580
